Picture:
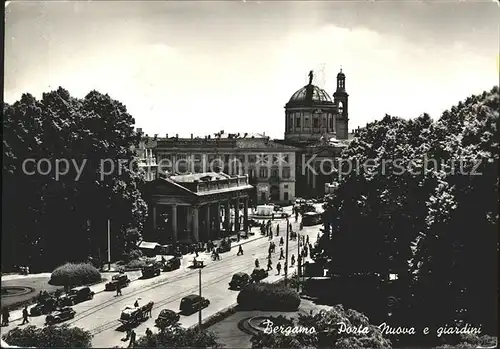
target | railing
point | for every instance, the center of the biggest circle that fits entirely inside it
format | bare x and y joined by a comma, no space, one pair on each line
220,184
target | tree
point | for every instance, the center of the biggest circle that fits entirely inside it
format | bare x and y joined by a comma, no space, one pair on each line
420,211
49,337
177,337
45,210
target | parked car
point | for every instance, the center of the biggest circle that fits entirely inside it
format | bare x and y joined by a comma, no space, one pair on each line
151,270
225,246
118,279
44,306
77,295
167,318
259,274
253,223
193,303
56,317
172,263
239,280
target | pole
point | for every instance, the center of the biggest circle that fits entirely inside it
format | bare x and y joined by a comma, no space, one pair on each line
109,246
199,285
298,263
286,253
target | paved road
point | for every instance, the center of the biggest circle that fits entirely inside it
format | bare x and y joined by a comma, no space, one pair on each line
100,314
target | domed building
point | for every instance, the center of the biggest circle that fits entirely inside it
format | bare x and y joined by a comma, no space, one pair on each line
312,115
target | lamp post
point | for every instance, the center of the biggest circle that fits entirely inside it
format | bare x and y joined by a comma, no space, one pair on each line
286,253
199,289
298,263
109,245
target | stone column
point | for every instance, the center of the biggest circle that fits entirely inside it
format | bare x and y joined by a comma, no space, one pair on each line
196,235
174,222
245,214
227,216
237,215
217,220
207,223
189,220
154,216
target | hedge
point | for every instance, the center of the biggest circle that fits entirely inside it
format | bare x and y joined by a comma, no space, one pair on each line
49,337
73,275
268,297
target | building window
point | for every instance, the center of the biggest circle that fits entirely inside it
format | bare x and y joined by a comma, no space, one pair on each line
286,172
290,123
315,122
285,196
297,122
263,172
275,172
306,122
285,186
331,122
251,173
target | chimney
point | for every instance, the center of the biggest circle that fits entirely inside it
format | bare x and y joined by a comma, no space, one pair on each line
139,130
166,136
191,136
176,135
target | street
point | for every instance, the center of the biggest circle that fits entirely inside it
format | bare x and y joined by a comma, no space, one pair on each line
100,315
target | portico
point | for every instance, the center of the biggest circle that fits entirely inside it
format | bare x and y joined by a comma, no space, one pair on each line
196,207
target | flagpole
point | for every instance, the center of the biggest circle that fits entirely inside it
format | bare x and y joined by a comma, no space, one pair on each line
109,245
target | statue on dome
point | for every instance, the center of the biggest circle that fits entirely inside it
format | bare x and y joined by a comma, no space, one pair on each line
310,77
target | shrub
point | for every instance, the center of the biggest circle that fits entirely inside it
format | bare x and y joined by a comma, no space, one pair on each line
132,255
49,337
178,337
265,296
71,274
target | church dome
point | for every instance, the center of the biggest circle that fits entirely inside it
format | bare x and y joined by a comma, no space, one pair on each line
309,95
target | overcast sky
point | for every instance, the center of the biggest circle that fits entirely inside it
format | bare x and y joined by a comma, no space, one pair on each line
199,67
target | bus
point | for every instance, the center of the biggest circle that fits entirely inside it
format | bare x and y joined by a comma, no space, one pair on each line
312,218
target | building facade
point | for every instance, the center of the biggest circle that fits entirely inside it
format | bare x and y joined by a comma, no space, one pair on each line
316,131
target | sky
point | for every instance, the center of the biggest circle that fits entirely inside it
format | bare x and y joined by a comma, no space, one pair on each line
185,67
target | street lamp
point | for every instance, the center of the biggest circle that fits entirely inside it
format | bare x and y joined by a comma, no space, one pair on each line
286,253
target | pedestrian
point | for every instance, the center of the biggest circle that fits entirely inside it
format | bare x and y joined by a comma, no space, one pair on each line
278,267
301,226
257,264
282,255
272,216
5,316
118,289
25,315
293,260
277,229
274,247
149,333
196,253
281,241
296,216
240,251
269,264
238,236
136,304
132,339
307,239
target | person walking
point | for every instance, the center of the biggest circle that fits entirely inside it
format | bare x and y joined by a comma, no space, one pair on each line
307,239
301,226
136,304
5,316
25,315
293,260
278,267
269,264
282,254
132,339
149,333
118,289
277,230
240,251
281,241
257,264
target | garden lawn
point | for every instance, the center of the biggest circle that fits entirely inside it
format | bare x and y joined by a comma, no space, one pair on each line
37,283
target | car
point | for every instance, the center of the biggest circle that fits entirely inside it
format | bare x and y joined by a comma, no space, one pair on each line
167,318
118,279
77,295
259,274
193,303
253,223
172,263
61,315
225,246
44,306
239,281
151,270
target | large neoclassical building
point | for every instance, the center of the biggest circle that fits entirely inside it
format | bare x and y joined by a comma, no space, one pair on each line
316,129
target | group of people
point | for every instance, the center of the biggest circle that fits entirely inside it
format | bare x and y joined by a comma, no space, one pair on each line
6,316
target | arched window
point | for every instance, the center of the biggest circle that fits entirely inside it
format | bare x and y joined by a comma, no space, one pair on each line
341,108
